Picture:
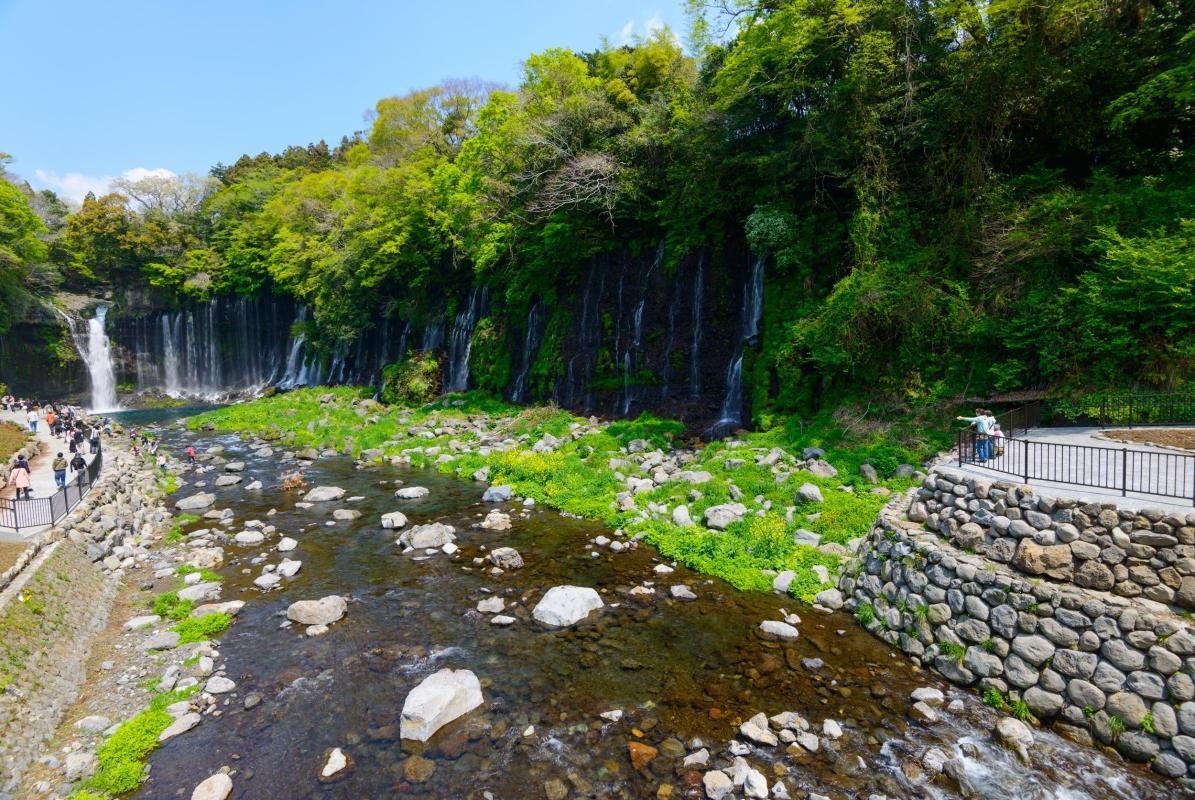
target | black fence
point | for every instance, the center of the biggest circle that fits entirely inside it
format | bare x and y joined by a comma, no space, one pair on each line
42,511
1114,469
1123,410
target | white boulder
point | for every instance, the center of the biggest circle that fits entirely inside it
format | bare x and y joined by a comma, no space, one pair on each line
563,606
439,699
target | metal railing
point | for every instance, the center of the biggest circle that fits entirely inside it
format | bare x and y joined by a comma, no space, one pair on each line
1021,418
1127,410
1109,468
42,511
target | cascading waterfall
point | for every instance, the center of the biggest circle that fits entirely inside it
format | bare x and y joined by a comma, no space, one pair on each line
630,359
96,351
461,342
695,346
530,348
170,357
731,416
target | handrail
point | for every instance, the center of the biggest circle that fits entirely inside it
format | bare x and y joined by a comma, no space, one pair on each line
1156,473
37,512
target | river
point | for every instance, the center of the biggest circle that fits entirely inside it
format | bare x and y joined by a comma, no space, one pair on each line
679,670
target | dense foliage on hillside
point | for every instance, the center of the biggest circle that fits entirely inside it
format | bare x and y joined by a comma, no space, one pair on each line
1001,189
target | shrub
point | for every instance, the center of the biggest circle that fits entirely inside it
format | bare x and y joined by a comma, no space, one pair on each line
995,699
414,380
1020,710
122,756
865,613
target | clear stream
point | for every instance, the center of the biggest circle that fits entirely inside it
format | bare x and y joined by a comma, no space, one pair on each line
678,669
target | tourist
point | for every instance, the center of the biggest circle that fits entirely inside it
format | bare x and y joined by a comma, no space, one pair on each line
32,416
59,467
51,418
162,462
78,464
95,440
998,440
982,424
191,454
20,478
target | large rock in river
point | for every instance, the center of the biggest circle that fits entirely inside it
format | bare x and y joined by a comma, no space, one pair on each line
395,519
195,501
324,611
423,537
441,697
323,494
566,605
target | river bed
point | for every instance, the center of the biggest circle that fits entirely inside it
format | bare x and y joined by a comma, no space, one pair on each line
679,670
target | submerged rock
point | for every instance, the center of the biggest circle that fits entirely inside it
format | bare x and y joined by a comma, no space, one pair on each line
442,697
563,606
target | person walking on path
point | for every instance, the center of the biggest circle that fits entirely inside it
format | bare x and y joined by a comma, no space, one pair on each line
983,429
78,463
95,440
32,417
21,479
59,467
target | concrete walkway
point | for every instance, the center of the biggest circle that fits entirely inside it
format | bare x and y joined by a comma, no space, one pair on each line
1157,477
41,467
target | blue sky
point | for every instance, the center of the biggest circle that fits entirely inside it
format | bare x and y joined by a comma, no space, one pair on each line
100,89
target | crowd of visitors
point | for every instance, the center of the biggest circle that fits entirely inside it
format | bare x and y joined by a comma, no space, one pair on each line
66,422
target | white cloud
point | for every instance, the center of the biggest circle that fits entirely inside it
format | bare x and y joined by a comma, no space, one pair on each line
624,35
635,30
74,186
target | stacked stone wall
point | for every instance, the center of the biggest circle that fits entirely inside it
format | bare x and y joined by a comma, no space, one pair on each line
970,578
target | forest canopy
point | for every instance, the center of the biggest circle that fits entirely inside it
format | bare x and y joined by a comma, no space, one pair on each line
1002,189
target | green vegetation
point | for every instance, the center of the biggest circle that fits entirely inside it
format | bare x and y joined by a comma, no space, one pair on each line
1004,190
200,629
581,475
1147,723
1115,726
865,613
993,698
1020,710
122,756
955,652
12,439
415,380
168,606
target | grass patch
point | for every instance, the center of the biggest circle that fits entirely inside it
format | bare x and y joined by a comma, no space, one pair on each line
12,439
955,652
200,629
122,756
205,574
168,606
865,613
1020,710
577,476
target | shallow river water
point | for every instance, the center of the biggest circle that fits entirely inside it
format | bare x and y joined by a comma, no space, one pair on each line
679,670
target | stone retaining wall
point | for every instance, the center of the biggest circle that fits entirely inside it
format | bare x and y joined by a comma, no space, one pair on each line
57,600
1096,664
1148,553
61,602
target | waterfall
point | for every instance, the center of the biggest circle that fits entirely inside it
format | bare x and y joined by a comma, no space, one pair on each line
96,351
169,357
530,349
731,416
695,347
630,359
461,343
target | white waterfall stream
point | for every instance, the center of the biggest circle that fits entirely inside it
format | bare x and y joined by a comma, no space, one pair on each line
96,351
731,416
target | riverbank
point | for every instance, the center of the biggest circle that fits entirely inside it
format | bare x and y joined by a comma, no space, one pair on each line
752,509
